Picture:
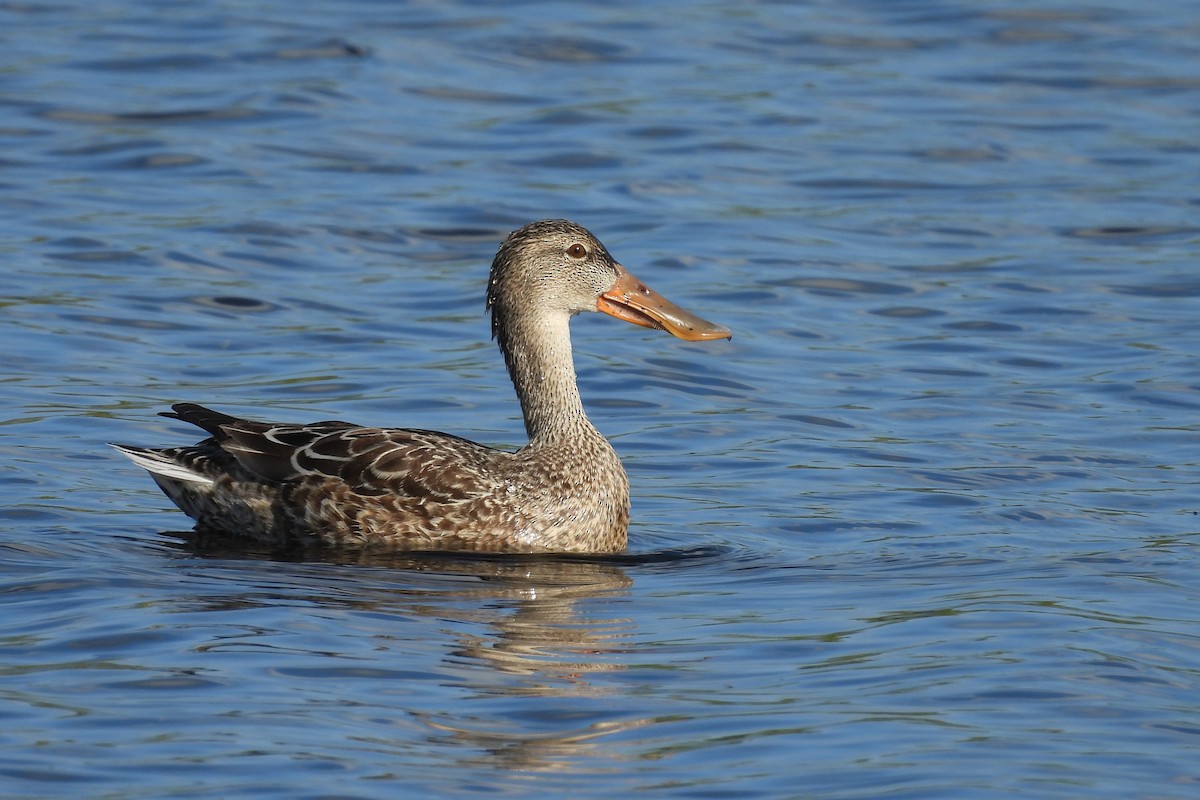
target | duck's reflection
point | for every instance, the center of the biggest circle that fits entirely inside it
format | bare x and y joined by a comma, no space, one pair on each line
524,638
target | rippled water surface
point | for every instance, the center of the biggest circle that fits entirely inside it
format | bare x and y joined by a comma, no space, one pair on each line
927,527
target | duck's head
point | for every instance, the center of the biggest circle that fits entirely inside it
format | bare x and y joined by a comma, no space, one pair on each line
555,267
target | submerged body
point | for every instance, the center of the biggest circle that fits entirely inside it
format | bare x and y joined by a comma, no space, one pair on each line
334,483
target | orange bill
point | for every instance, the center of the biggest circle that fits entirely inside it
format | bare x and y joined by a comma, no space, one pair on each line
633,301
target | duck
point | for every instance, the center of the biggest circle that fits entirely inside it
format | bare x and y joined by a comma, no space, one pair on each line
340,485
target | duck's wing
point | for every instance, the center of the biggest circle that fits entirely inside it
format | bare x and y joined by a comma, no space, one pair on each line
419,464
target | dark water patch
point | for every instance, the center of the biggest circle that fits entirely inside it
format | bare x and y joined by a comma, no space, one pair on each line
1023,515
564,49
18,133
339,673
817,525
319,385
179,117
785,120
800,334
176,258
824,422
263,260
27,515
102,257
840,287
17,8
907,312
107,147
698,387
1027,362
1020,696
863,456
140,323
684,371
991,478
735,297
473,95
309,152
967,155
327,49
161,161
1046,311
183,62
946,372
659,132
373,168
1179,727
1036,127
876,188
938,498
985,326
374,235
169,62
691,556
730,145
560,117
234,303
259,228
344,161
1130,234
180,681
1126,161
962,233
78,242
461,233
938,346
1160,399
1020,286
807,42
1148,84
50,776
990,264
99,646
1184,287
626,403
1077,458
1021,26
573,161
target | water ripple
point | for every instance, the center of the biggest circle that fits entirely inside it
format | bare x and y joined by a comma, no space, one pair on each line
926,527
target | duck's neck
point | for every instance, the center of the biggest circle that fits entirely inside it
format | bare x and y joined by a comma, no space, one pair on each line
538,354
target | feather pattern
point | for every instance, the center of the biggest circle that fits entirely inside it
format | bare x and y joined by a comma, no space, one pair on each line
336,483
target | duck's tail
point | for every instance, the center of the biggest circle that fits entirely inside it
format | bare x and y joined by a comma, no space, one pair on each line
165,463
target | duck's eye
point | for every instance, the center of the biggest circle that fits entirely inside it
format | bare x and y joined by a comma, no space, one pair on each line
577,251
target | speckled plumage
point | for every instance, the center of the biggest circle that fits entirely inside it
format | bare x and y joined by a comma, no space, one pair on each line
335,483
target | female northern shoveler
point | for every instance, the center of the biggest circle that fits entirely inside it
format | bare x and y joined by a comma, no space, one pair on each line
340,484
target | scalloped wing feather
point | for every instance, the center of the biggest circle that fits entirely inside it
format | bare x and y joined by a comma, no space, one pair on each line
418,464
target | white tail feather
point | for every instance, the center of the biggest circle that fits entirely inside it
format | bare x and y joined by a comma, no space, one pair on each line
159,465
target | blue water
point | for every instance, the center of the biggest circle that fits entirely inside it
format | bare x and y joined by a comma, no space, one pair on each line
926,528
